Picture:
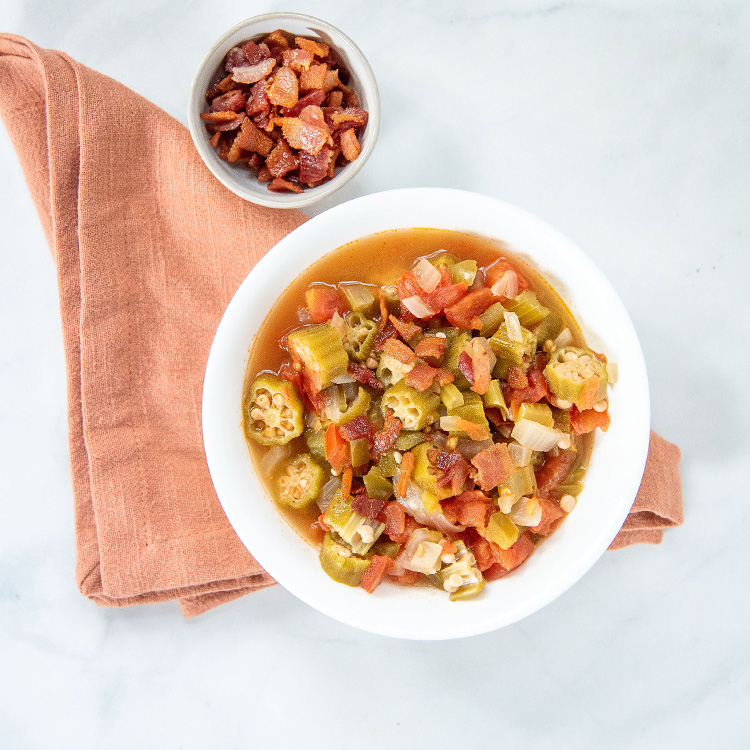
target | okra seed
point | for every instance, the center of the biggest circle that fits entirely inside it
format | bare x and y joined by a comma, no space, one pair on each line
567,503
256,413
564,443
397,457
263,401
563,404
278,399
601,405
570,357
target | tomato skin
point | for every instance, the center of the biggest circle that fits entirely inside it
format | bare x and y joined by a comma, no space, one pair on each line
588,420
520,552
322,301
336,448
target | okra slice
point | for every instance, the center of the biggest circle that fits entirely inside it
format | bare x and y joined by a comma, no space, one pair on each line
491,319
501,530
272,411
416,409
340,563
451,396
455,343
493,399
425,477
350,525
529,309
376,483
549,328
360,336
407,439
443,260
359,451
390,371
521,483
469,591
321,352
299,482
569,371
387,464
315,440
360,297
357,408
472,410
572,484
540,413
465,270
510,351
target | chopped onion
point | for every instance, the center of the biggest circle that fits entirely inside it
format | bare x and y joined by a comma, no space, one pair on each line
513,325
427,276
273,458
417,307
414,506
520,454
449,424
613,373
564,338
328,491
527,512
345,378
337,322
536,436
506,286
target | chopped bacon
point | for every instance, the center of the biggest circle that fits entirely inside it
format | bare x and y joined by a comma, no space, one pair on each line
232,100
313,78
319,49
406,330
284,91
313,168
455,470
376,572
430,346
554,469
588,420
468,509
517,377
464,314
335,99
297,59
399,351
534,392
551,516
466,367
407,467
496,417
383,336
281,159
276,39
364,375
314,98
485,553
351,117
384,439
258,103
303,135
251,139
395,522
224,119
254,53
222,87
493,465
518,553
253,73
350,146
420,377
444,376
481,364
360,427
234,59
280,185
369,507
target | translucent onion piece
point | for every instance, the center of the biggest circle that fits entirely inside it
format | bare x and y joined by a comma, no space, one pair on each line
506,286
414,506
536,436
416,306
526,512
514,326
613,373
427,276
329,490
564,338
338,323
450,424
273,457
345,378
520,454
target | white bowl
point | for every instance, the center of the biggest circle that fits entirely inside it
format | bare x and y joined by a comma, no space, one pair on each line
241,180
616,465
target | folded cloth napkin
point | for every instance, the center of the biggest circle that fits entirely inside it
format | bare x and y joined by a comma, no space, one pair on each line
149,248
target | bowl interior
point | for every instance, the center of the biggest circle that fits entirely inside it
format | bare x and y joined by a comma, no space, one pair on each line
616,465
242,181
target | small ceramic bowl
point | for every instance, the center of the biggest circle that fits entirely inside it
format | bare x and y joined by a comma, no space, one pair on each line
241,180
614,472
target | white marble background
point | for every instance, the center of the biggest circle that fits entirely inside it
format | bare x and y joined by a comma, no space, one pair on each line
626,123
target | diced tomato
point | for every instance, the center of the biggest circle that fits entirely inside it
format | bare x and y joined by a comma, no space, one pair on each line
408,578
551,515
496,270
511,558
376,572
446,296
493,466
468,509
336,448
346,483
495,571
322,301
359,427
383,314
395,522
463,314
399,351
588,420
554,469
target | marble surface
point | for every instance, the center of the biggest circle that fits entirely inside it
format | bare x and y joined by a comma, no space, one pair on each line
623,122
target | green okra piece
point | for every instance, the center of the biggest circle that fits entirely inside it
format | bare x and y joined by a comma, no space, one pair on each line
359,451
549,329
521,483
416,409
360,336
465,270
455,342
387,464
491,319
529,309
361,298
346,522
385,549
469,591
538,412
340,564
315,440
501,530
407,439
271,411
377,484
573,483
570,368
493,399
443,260
451,396
561,418
472,410
425,476
299,482
391,371
513,352
321,351
357,408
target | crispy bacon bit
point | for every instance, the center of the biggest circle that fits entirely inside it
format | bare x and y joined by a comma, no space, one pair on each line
399,351
351,117
319,49
297,59
222,87
444,377
364,375
369,507
264,175
517,377
554,469
384,439
281,159
276,39
234,59
284,91
430,346
407,467
303,135
313,168
313,78
232,100
496,417
350,145
219,116
551,515
214,140
481,365
493,465
534,392
464,314
313,99
376,572
331,80
360,427
466,367
420,376
335,98
255,53
406,330
395,522
253,73
251,139
383,336
280,185
346,483
455,470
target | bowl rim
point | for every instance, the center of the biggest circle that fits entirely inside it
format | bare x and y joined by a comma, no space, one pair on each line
296,581
309,196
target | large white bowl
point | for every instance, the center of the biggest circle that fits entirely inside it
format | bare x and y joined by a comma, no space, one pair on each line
616,465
